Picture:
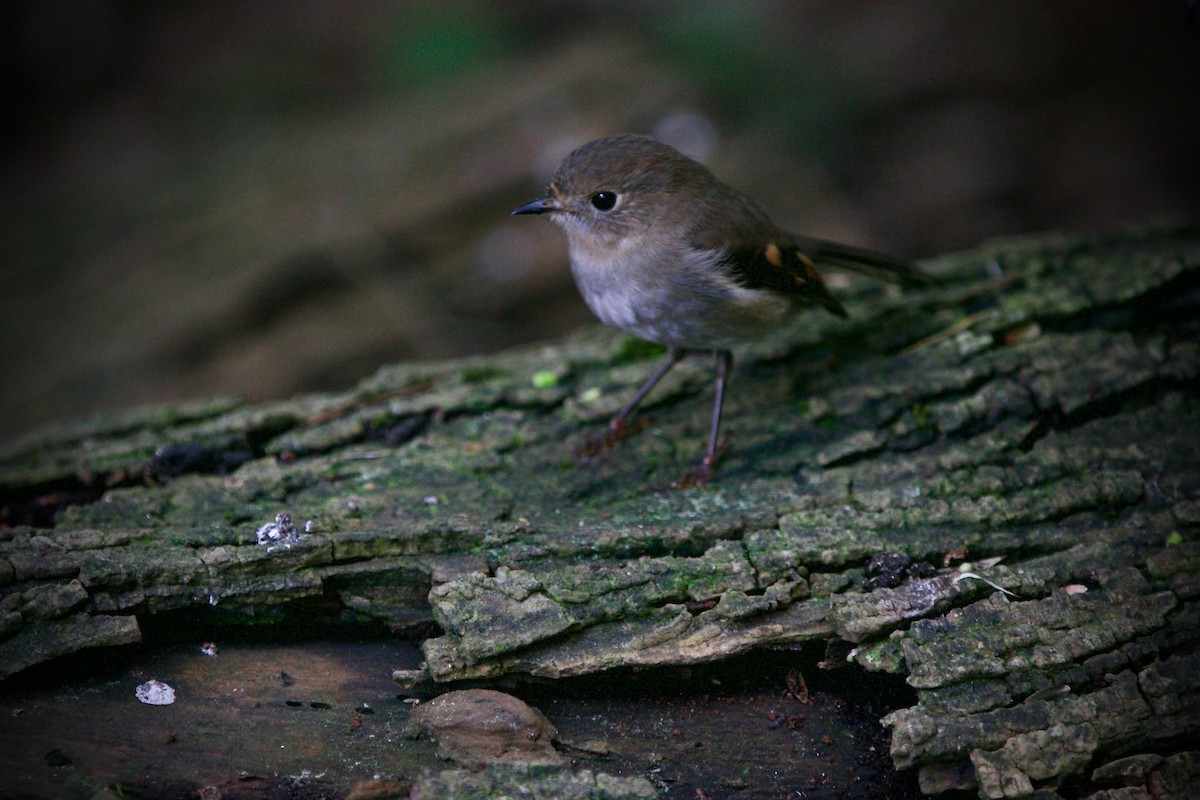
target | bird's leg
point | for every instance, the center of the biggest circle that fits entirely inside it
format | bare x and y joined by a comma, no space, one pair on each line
703,473
618,426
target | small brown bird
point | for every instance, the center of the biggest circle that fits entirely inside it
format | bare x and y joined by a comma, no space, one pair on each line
663,250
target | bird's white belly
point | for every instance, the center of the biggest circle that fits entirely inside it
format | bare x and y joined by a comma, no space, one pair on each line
616,308
697,307
690,321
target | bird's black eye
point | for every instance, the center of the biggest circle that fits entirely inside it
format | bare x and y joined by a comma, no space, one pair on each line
604,201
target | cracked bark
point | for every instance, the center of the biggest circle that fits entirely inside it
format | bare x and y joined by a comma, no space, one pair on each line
1046,419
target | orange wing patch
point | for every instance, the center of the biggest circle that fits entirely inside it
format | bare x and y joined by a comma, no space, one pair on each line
774,257
773,254
810,269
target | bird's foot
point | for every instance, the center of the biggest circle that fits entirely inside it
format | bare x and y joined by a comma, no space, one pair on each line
703,473
696,477
617,430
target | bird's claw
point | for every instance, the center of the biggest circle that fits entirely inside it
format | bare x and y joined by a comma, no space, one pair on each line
697,477
703,473
617,430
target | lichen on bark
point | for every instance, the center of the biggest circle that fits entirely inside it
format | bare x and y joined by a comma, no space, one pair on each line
1033,432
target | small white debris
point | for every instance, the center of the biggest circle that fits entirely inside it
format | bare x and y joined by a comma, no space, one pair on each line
1052,693
209,648
1075,588
279,532
972,575
310,526
981,564
430,500
155,693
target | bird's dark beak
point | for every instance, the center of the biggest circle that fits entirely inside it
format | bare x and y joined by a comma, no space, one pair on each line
546,204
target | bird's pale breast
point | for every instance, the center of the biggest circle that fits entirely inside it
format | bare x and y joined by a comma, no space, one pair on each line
694,305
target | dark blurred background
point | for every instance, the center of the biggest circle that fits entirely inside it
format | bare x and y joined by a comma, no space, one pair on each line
260,197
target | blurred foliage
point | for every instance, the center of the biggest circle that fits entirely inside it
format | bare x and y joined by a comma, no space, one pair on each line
429,43
748,68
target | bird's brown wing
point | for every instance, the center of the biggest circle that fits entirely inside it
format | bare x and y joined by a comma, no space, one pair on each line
760,256
782,267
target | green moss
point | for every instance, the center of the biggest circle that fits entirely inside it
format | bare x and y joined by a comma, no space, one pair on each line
637,350
482,374
544,379
825,423
922,416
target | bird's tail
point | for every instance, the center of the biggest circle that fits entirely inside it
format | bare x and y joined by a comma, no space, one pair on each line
867,262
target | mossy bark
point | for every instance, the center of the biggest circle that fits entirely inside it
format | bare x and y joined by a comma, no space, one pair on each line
1034,416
